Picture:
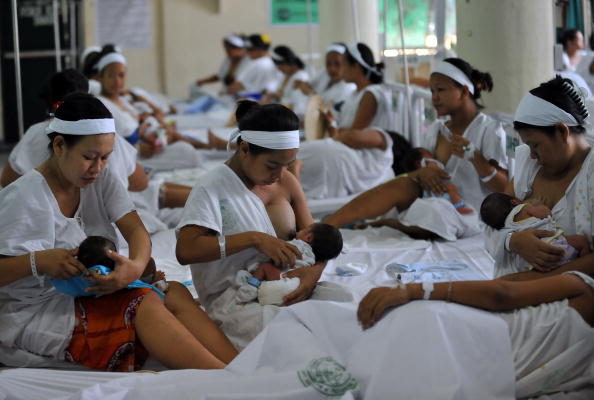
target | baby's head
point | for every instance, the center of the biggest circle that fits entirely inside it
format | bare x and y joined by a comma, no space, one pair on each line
93,251
412,159
497,206
325,240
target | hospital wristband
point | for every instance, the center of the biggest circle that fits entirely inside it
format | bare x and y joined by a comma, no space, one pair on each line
427,289
507,240
222,246
334,124
487,178
33,265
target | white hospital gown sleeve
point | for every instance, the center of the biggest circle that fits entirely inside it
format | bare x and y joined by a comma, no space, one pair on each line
202,209
25,225
31,150
116,200
493,144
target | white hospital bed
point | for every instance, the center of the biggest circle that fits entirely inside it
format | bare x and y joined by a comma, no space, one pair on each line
421,349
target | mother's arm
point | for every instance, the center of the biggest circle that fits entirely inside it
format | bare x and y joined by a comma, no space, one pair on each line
361,138
482,165
494,295
55,263
197,244
8,175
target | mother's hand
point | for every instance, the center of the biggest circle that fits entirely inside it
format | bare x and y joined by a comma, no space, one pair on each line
308,277
373,305
125,272
59,263
542,256
282,253
459,144
432,179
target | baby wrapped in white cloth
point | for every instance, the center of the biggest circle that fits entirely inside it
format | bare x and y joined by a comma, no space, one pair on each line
238,312
264,281
500,210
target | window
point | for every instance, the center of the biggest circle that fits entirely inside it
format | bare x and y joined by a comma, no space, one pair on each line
428,26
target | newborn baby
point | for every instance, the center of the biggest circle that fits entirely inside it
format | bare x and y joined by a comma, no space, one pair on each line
263,280
92,253
500,210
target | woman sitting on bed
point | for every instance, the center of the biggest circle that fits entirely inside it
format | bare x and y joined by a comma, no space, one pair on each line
554,165
470,144
168,150
248,205
45,214
358,154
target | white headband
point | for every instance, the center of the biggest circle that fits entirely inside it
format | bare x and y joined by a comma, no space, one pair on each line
281,140
110,59
82,126
449,70
276,57
354,51
89,50
235,40
533,110
338,48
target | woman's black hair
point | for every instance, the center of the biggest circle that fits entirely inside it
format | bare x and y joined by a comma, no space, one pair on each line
400,148
258,41
62,83
288,57
89,64
562,93
374,75
77,106
567,36
269,117
480,80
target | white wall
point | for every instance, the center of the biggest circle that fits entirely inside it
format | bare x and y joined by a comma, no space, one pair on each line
193,31
145,67
187,38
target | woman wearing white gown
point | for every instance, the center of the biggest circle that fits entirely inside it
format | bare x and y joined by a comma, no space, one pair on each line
358,153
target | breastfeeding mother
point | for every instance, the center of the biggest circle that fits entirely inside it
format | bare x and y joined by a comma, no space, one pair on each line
45,214
554,165
225,220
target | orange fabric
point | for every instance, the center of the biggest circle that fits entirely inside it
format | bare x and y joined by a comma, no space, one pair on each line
104,336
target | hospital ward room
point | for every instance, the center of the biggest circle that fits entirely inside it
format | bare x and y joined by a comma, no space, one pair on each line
296,199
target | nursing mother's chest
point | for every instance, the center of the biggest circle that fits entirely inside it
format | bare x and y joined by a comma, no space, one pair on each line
549,189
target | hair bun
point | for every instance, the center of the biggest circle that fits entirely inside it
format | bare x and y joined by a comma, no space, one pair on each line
575,93
243,107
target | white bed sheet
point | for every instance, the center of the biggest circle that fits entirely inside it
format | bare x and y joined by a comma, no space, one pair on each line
438,364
